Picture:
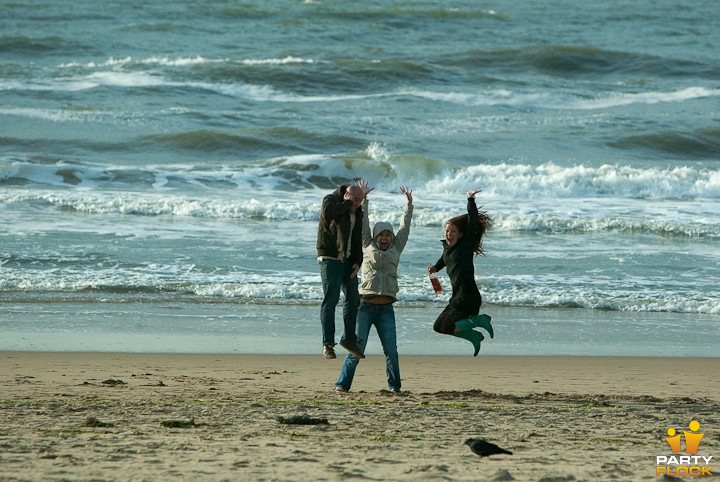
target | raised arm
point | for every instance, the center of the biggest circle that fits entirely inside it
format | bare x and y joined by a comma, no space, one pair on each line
401,237
472,225
366,234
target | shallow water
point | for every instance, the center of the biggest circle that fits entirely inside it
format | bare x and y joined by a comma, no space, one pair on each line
176,155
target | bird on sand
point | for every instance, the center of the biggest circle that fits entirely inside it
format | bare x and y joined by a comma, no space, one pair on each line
483,448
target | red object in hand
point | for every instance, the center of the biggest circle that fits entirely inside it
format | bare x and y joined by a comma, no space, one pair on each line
435,284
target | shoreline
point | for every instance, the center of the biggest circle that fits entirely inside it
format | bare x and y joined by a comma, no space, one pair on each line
601,375
124,416
295,330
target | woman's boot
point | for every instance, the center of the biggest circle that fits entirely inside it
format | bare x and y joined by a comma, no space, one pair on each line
474,337
476,321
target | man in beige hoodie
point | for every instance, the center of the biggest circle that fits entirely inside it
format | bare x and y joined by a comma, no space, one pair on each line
378,291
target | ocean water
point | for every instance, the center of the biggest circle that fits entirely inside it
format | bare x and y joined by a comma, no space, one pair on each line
162,166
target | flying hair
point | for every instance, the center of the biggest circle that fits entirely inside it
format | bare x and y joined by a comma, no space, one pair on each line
484,224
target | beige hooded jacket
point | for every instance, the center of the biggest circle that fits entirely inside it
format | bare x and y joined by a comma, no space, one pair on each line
379,268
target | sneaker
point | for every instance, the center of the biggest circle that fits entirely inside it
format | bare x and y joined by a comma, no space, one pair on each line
329,352
340,389
395,390
352,348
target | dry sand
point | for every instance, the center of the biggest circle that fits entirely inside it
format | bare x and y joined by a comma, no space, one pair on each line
87,416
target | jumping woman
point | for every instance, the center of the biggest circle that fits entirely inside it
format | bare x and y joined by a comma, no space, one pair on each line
463,240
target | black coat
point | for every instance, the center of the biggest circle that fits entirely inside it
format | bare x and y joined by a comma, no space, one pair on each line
459,262
334,220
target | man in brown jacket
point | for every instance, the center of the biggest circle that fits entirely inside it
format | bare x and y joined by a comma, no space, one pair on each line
339,250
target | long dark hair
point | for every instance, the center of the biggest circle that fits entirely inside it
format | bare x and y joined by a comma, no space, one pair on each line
484,224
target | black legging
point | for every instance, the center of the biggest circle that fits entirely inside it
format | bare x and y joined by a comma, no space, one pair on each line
445,323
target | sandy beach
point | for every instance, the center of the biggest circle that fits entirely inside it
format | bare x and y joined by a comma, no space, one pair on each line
87,416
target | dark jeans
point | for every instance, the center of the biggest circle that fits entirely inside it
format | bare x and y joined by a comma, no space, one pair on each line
335,278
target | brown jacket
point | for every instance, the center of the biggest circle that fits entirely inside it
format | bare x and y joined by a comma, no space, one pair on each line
334,227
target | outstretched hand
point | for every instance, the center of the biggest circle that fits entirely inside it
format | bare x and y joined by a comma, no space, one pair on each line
471,194
408,193
363,184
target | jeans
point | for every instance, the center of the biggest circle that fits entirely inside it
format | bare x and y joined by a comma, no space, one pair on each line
335,276
383,317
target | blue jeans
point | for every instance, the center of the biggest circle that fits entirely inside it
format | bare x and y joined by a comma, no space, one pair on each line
335,276
383,317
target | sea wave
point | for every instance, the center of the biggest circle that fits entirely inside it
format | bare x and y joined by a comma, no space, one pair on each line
195,61
24,45
278,140
508,216
566,60
301,80
551,180
391,13
375,163
564,100
166,283
580,62
701,144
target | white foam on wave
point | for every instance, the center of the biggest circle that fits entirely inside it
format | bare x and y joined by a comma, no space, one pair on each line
582,181
182,62
387,172
508,214
123,79
67,115
560,100
587,296
286,60
679,200
237,283
618,100
501,98
126,79
116,72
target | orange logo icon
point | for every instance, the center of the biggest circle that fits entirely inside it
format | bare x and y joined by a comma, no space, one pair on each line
692,440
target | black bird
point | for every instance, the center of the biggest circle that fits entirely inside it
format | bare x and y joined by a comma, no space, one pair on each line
484,448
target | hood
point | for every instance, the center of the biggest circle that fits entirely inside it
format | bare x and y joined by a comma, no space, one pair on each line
382,226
